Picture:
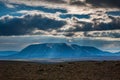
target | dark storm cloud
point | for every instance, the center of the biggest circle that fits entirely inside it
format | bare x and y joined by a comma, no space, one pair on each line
77,2
104,3
97,3
88,26
55,1
70,2
26,25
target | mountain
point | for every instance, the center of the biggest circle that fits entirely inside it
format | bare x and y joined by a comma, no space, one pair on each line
7,53
59,50
117,53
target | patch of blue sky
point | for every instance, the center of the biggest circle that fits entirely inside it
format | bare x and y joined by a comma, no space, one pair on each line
113,13
79,16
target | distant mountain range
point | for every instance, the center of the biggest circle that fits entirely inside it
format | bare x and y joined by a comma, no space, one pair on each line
57,51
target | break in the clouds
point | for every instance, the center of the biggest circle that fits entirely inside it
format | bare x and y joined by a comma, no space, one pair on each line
85,19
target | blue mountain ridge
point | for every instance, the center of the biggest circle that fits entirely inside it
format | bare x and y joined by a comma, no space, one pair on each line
59,51
7,53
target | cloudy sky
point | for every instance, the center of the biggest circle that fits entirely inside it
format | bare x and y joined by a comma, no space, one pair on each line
83,22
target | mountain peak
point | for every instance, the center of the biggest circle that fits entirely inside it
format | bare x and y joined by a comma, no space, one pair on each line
59,50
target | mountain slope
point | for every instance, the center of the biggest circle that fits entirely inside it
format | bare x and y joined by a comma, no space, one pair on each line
7,53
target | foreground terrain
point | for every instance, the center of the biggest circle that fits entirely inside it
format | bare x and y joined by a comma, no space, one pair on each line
88,70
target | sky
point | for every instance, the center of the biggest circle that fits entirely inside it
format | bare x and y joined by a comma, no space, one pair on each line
84,22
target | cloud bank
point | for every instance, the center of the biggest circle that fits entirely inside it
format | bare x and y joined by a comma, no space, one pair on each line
27,19
27,24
